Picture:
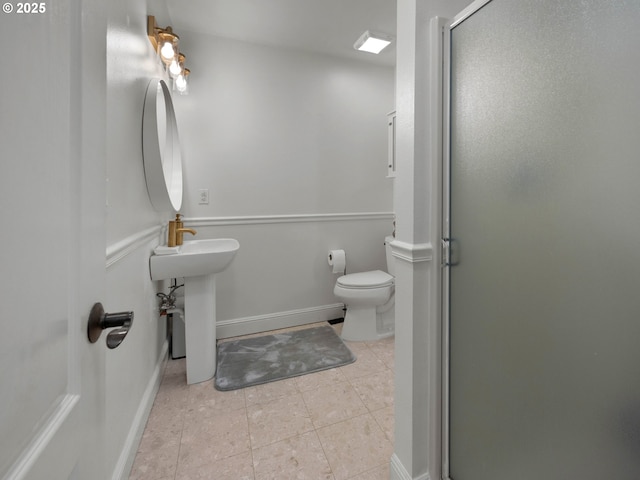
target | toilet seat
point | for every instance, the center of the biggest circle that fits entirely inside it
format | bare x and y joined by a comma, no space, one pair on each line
366,280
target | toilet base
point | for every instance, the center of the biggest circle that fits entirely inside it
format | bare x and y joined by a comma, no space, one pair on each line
367,324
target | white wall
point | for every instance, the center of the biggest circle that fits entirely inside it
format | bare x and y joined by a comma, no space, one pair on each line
133,229
130,67
418,379
272,131
272,134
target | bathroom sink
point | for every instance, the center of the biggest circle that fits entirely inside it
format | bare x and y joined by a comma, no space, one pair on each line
195,258
198,262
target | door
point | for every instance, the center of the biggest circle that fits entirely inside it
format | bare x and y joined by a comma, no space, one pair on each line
53,244
544,221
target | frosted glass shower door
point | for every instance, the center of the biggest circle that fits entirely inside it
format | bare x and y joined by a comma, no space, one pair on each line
544,298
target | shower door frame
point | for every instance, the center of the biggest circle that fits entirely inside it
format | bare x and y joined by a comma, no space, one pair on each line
447,28
446,235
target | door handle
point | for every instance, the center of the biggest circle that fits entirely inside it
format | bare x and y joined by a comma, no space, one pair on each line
448,253
99,320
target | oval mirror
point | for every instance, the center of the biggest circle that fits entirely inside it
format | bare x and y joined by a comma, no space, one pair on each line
161,148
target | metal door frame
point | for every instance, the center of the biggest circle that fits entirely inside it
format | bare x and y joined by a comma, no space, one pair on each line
447,29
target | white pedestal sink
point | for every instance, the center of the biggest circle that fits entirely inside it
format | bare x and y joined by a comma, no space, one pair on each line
198,261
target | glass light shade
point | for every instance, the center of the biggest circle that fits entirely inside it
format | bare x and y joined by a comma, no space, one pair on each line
168,45
167,51
174,68
177,65
181,84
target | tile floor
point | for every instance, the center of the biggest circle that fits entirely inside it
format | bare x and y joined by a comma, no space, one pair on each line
331,425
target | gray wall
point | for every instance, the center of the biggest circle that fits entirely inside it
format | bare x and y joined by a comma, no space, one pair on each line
286,142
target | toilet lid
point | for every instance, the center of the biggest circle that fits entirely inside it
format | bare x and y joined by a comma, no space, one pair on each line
376,278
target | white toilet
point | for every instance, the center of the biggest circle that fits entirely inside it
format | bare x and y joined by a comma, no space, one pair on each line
370,301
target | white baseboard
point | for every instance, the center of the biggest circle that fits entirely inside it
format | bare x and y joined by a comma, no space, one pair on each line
128,453
274,321
399,472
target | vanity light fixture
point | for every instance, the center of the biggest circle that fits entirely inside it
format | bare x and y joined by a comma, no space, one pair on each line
372,42
165,42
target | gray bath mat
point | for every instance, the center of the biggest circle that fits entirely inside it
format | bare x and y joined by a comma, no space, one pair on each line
252,361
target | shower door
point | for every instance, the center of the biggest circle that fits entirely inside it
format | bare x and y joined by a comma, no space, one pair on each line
543,186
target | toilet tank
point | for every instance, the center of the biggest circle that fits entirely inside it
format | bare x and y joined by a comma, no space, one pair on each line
391,265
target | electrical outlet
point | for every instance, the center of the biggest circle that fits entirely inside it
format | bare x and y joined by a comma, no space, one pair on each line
203,196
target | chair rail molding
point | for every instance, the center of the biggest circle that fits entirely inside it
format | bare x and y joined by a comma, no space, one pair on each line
412,252
124,247
293,218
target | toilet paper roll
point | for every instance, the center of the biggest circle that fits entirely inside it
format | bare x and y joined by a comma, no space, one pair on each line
338,260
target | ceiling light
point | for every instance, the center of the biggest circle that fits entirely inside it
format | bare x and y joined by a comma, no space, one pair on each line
372,42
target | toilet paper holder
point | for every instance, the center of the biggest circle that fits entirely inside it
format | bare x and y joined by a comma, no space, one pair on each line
337,260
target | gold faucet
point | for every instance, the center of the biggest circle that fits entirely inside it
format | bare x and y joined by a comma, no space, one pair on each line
176,232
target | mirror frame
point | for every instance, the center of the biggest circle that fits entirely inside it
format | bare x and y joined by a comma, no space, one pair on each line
161,149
